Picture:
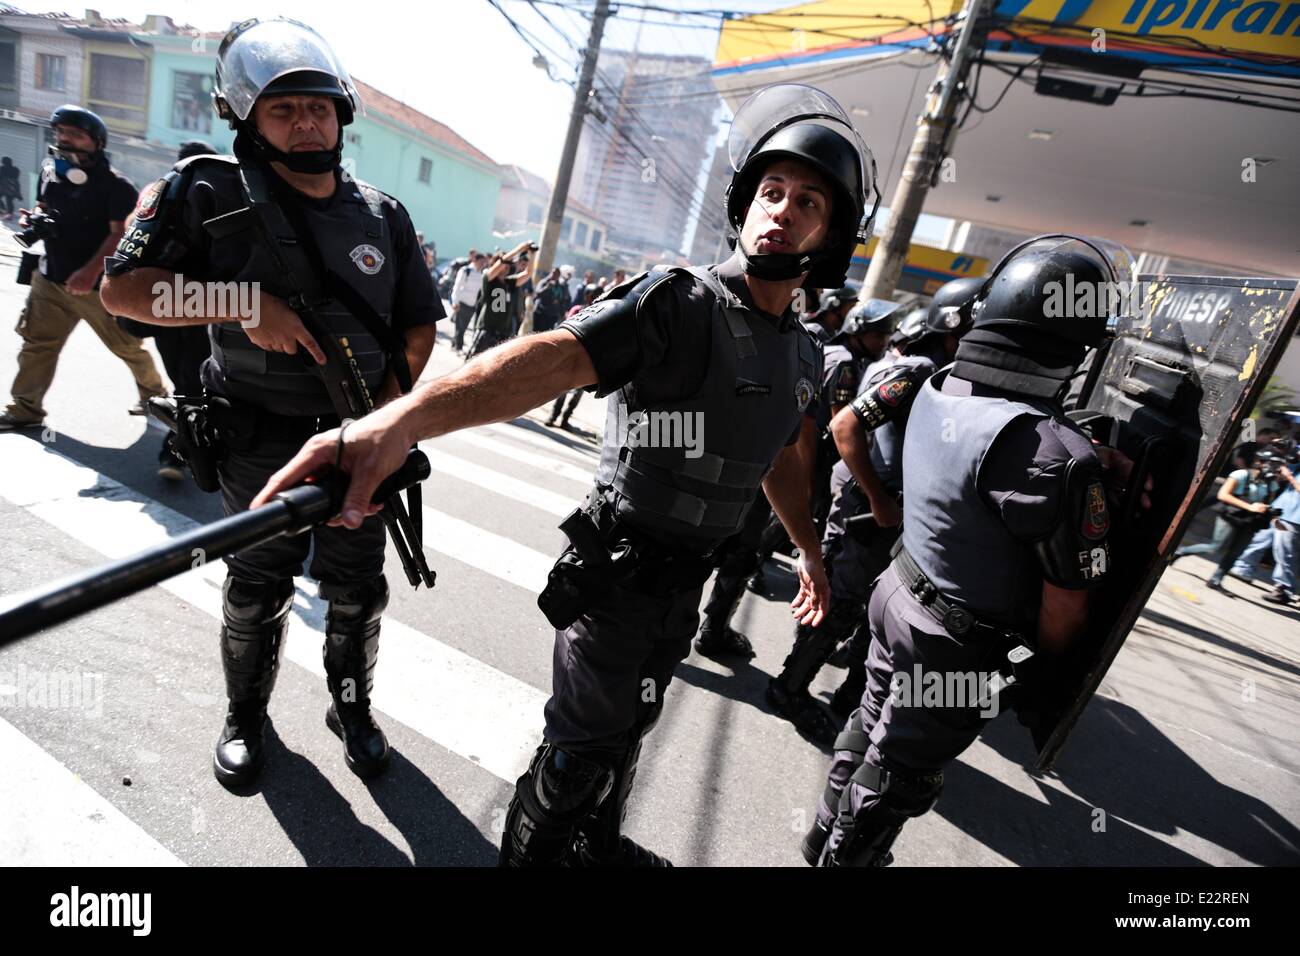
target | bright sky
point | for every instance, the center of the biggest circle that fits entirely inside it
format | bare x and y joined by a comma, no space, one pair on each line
459,61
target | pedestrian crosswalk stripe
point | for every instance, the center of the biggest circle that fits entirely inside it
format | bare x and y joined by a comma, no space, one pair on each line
491,480
482,438
54,818
455,700
553,441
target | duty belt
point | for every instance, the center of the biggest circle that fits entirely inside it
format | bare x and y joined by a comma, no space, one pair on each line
957,620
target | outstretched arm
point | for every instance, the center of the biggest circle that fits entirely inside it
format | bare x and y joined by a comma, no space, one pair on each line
497,386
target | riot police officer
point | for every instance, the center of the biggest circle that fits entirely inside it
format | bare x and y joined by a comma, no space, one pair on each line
282,218
867,482
863,339
719,345
1005,531
834,306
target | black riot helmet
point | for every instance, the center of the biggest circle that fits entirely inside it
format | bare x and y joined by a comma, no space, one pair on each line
195,147
951,311
280,58
834,298
1047,302
910,327
871,315
83,119
792,121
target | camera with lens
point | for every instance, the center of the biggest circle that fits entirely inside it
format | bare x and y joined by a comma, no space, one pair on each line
40,225
1270,461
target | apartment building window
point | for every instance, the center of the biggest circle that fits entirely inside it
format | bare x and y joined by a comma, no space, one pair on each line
581,235
595,240
426,169
8,67
192,102
566,228
117,87
534,213
51,72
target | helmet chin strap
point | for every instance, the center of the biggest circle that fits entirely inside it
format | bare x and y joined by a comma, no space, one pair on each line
777,266
305,161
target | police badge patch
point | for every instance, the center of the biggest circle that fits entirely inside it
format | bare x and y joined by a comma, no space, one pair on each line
146,207
1096,519
367,258
803,394
892,393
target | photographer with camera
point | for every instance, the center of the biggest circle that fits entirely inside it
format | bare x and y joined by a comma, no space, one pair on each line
506,281
81,210
1243,510
1282,532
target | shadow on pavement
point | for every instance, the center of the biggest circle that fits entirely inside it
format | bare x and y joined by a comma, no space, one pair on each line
1219,640
323,826
1120,763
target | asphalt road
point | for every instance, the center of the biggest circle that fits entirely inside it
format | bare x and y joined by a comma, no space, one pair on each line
1189,755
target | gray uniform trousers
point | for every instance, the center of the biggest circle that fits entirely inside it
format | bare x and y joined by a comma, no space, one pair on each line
904,735
611,667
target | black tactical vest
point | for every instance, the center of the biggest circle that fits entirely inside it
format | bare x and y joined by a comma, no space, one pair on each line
949,528
760,380
355,243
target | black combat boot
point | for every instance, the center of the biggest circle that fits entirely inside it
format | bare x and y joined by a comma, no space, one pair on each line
848,695
256,616
601,842
351,649
717,637
559,789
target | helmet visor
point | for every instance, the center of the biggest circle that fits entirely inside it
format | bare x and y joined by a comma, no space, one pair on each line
776,107
262,53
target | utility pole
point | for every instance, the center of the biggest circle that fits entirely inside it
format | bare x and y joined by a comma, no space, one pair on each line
935,133
560,193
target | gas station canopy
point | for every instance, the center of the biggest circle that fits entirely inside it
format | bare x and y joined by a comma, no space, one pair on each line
1171,126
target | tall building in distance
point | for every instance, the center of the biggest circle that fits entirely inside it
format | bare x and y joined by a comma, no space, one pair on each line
642,155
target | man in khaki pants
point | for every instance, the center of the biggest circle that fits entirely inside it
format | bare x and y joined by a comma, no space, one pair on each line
90,202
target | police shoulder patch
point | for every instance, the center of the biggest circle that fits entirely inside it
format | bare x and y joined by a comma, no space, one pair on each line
804,391
146,207
891,393
367,258
1096,513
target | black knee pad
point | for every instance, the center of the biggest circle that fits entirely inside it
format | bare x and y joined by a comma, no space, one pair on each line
253,605
358,606
868,836
566,785
913,793
559,789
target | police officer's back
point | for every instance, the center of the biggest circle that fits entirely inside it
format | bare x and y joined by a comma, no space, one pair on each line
1005,530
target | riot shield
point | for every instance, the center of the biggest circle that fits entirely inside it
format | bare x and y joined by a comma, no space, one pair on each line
1172,392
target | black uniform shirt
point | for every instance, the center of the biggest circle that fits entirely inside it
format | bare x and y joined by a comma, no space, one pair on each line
673,335
173,238
84,213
